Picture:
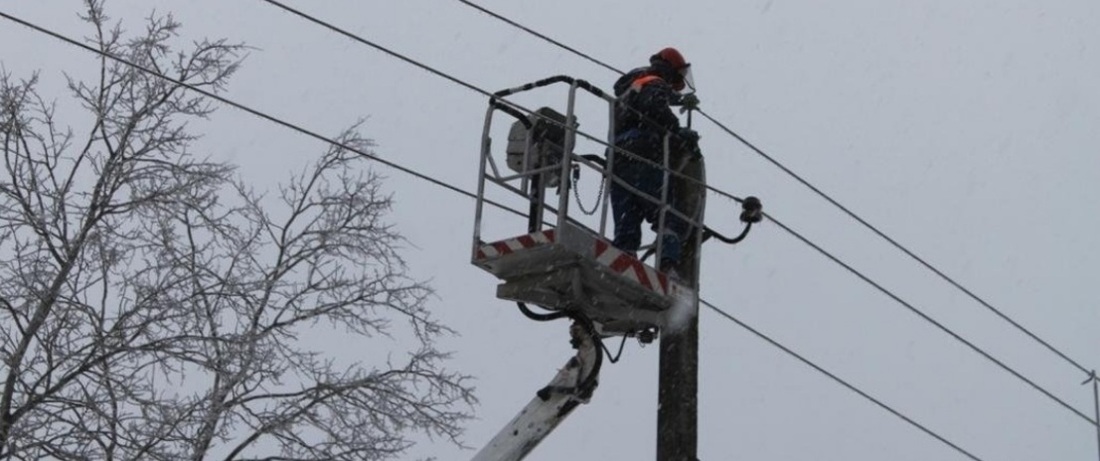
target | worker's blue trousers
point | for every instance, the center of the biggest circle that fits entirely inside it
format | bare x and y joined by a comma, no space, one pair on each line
629,210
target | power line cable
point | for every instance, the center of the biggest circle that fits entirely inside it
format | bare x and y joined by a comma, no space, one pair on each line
315,135
839,380
469,194
816,190
897,245
256,113
544,37
933,321
495,97
306,131
487,93
865,278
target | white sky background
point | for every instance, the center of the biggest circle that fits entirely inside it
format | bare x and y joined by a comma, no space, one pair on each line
964,129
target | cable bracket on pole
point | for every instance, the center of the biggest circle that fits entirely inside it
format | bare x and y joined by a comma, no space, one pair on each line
752,212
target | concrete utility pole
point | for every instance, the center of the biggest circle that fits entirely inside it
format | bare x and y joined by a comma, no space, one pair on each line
1095,404
677,399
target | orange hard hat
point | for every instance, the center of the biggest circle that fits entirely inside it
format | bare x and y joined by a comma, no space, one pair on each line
679,70
672,56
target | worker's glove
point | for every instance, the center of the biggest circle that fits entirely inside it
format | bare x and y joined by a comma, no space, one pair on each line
688,140
689,136
689,102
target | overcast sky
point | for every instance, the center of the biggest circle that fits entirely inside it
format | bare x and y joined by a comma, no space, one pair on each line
965,129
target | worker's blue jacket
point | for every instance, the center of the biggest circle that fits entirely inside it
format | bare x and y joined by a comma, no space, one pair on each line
643,115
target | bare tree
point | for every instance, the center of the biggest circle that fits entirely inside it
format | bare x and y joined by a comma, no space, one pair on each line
151,304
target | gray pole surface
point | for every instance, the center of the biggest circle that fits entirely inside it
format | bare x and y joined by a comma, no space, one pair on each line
678,404
1095,406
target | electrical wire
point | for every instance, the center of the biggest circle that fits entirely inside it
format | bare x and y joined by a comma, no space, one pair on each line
839,380
484,92
933,321
494,97
257,113
860,275
544,37
820,193
589,380
909,306
607,352
899,246
414,173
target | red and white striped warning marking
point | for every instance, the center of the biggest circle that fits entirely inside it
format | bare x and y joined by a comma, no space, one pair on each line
632,268
618,261
503,247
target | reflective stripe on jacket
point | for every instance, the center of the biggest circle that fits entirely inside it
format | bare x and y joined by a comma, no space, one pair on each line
643,108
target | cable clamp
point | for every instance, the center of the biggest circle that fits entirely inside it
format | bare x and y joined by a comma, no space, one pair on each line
1092,377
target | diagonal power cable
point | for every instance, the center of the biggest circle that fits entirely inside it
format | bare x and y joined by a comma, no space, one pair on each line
484,92
437,182
897,245
820,193
839,380
860,275
254,112
539,35
934,322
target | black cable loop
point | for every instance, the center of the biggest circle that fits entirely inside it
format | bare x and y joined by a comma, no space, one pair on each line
527,312
618,354
588,386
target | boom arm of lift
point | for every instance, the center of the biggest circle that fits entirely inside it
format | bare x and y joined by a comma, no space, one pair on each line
572,386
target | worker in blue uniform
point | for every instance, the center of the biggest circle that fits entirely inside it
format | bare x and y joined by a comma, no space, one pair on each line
643,117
